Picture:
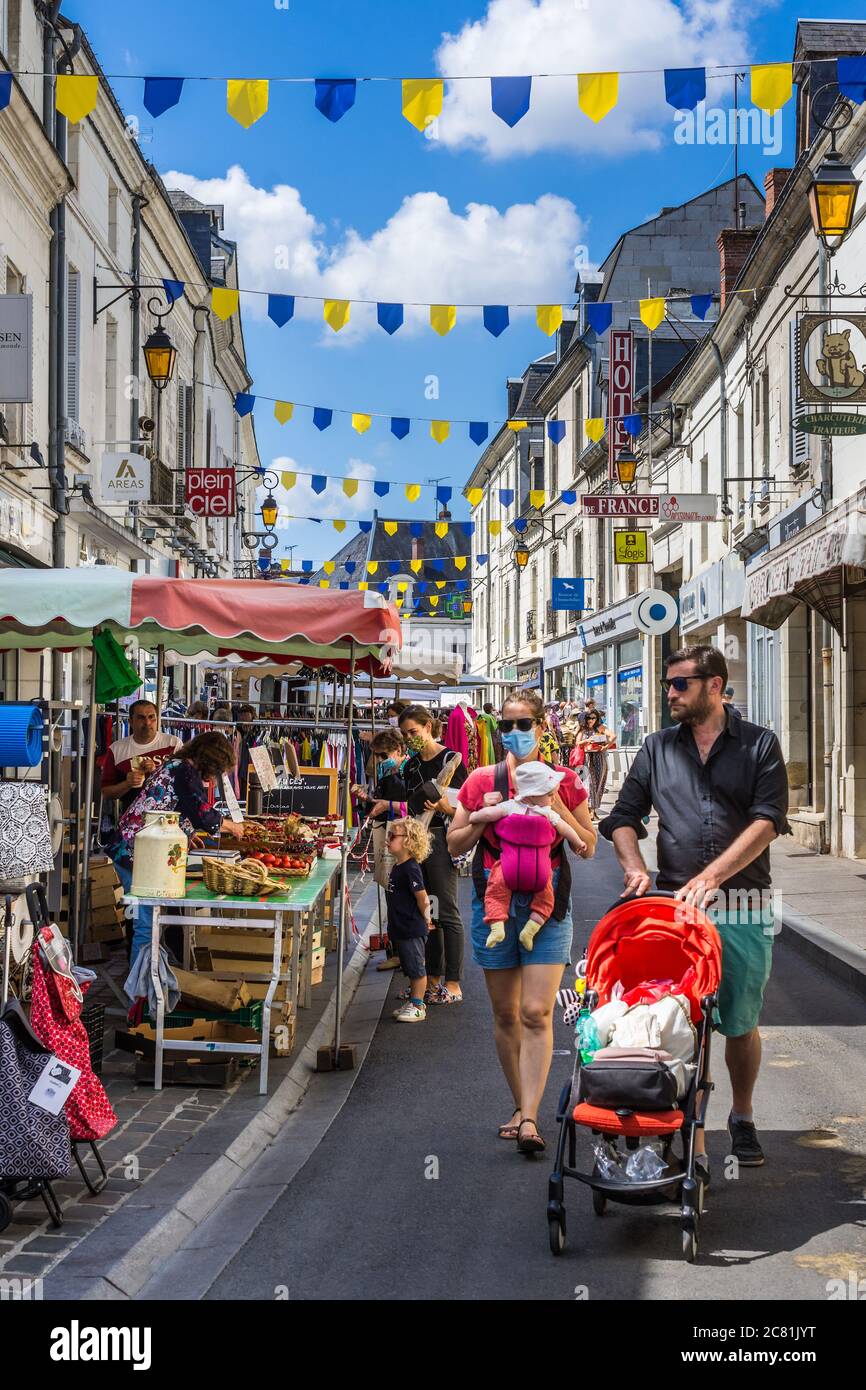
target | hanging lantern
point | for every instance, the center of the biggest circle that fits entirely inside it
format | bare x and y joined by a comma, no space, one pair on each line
626,466
270,511
521,555
832,199
160,355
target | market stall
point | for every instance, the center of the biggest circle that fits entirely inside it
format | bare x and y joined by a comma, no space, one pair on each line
244,620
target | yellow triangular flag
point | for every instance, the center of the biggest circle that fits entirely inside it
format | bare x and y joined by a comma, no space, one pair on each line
339,525
548,317
772,85
415,566
434,600
283,411
324,583
460,562
474,496
285,566
441,528
443,318
413,492
516,425
494,527
361,423
594,428
350,486
75,95
328,566
440,583
422,100
246,100
336,313
597,93
440,430
536,497
288,480
390,528
398,602
224,302
372,566
402,586
652,311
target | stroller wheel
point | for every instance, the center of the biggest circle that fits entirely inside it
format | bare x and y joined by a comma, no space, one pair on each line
556,1227
690,1243
599,1202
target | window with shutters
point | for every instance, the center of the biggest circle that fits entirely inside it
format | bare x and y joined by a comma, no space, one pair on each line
799,448
740,469
110,379
113,194
553,613
183,438
577,424
73,343
553,468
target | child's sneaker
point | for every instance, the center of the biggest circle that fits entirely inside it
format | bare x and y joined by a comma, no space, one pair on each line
411,1013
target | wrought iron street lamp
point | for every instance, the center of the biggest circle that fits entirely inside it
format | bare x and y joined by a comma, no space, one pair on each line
270,511
626,466
521,555
160,354
834,187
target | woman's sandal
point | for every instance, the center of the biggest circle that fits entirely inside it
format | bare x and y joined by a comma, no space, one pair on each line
510,1130
533,1143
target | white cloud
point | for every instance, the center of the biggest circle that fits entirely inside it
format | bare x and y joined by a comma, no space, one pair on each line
301,502
426,251
571,36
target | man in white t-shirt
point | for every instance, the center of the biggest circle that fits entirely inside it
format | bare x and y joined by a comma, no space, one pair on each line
121,778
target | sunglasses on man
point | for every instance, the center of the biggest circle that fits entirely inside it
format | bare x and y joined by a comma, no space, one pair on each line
680,683
524,725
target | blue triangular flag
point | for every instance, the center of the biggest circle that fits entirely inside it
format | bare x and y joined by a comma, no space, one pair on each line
481,559
468,528
461,585
599,317
417,600
556,430
438,564
383,588
365,526
264,563
632,424
478,431
307,566
444,495
322,417
506,496
244,403
335,96
173,290
521,524
5,89
701,305
381,489
509,97
390,316
304,581
393,566
569,497
496,318
281,307
399,426
422,586
161,93
318,483
851,77
350,566
344,583
685,87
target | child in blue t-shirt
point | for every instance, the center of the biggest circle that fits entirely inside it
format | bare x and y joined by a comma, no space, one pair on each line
409,916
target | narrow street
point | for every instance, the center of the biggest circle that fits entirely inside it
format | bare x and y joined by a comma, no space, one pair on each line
363,1220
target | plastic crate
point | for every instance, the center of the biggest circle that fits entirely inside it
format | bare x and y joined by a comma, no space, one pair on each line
248,1017
93,1018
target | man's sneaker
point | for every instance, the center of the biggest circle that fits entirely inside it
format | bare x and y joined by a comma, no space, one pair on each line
744,1143
411,1013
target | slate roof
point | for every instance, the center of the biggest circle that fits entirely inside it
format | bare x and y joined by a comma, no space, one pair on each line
533,379
830,36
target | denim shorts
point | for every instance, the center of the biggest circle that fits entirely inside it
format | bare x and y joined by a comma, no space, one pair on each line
552,945
412,955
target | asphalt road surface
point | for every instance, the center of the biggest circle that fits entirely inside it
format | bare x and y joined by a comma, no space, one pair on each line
411,1195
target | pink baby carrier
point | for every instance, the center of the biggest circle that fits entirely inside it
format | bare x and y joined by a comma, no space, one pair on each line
525,841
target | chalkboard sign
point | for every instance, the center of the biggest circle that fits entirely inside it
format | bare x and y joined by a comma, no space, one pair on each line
313,793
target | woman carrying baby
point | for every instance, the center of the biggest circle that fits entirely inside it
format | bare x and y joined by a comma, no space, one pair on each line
522,973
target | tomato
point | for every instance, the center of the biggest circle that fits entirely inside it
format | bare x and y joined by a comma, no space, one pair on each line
269,859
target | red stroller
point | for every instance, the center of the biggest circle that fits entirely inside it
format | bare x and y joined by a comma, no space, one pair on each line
641,939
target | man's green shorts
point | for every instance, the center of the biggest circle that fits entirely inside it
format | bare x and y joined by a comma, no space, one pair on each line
747,959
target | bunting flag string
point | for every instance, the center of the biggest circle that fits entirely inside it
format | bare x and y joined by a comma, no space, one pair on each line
422,98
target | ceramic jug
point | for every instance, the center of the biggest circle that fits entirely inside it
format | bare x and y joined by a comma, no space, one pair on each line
159,857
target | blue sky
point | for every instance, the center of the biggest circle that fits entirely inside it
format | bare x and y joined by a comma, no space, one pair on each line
370,208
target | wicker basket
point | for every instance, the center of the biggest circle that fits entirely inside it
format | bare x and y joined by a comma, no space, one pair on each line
247,880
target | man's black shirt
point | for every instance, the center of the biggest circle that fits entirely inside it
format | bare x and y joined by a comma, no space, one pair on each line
703,807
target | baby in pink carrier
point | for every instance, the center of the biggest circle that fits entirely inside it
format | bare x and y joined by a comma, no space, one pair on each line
526,827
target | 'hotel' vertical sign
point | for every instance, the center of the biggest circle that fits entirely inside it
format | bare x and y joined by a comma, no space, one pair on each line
620,395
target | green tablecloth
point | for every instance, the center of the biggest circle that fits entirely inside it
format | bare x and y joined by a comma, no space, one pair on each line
301,896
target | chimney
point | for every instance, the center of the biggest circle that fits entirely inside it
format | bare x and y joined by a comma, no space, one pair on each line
773,184
734,247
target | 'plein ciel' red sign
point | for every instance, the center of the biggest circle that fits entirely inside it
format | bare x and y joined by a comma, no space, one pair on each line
211,491
620,394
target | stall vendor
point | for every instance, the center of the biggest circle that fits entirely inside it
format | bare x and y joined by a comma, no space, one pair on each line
130,761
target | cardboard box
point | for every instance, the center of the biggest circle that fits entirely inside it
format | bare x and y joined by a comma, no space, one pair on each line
247,944
105,917
225,995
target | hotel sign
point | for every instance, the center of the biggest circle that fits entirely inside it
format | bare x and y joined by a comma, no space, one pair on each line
620,393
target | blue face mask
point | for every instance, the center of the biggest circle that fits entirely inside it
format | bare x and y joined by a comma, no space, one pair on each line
519,743
387,765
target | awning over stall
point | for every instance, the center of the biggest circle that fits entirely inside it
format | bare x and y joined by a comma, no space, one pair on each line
820,566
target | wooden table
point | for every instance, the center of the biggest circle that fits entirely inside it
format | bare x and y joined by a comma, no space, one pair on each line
297,902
